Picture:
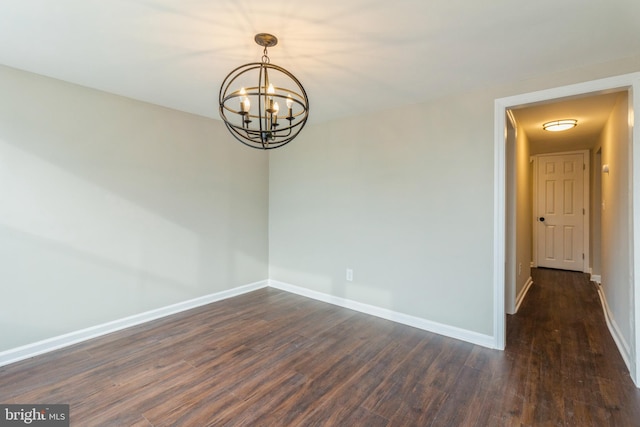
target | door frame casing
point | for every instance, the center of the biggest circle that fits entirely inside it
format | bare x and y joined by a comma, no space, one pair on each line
629,82
585,203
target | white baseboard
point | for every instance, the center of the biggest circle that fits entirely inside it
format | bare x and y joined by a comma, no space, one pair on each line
30,350
55,343
523,293
405,319
623,346
596,278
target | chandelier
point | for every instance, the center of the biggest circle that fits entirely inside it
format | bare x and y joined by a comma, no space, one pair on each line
263,105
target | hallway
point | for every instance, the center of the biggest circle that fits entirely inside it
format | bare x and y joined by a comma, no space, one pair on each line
574,370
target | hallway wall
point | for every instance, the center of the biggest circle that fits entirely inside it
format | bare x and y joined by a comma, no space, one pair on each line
524,211
616,218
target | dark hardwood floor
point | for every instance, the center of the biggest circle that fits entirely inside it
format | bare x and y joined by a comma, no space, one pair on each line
270,358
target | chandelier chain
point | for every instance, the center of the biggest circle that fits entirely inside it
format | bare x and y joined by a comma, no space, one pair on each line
265,57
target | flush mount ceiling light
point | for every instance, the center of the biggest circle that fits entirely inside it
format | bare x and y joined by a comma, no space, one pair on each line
251,100
560,125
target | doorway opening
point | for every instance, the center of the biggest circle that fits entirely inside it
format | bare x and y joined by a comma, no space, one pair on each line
623,210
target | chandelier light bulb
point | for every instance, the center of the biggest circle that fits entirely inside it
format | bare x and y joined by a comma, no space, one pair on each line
244,101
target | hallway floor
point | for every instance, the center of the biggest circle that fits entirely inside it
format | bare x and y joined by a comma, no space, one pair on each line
574,371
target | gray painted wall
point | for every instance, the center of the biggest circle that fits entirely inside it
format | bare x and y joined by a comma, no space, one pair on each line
403,197
110,207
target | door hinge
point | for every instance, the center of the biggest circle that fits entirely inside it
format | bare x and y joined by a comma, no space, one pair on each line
583,257
584,167
583,211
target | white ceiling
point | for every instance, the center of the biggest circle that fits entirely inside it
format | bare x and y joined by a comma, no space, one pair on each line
352,56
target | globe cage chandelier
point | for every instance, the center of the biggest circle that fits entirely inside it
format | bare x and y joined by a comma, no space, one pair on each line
251,97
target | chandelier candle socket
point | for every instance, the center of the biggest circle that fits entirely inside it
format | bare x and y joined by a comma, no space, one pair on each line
249,98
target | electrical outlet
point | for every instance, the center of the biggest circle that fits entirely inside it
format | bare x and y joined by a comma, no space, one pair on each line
349,275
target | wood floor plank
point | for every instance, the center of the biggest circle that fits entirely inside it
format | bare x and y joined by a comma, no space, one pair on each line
271,358
580,414
343,402
501,406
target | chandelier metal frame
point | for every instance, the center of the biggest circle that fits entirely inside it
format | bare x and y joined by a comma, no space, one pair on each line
252,113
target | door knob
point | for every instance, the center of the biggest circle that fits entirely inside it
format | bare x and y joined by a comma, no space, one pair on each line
541,219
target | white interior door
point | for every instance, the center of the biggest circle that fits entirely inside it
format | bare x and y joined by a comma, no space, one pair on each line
560,218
